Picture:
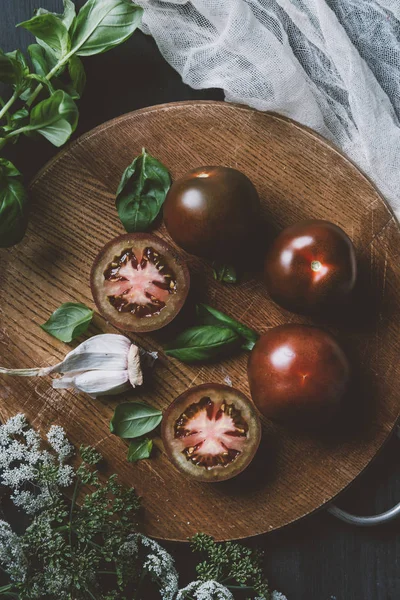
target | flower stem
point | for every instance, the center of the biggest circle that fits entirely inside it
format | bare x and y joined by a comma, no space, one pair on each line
71,512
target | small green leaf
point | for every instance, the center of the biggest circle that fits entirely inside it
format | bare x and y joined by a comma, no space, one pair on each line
13,205
50,29
99,26
69,13
203,343
42,60
54,118
207,315
134,419
141,192
68,321
77,74
224,273
139,449
12,69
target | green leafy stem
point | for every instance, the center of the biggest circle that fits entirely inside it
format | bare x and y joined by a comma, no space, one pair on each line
53,68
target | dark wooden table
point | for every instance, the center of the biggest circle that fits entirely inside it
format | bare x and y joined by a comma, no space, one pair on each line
318,558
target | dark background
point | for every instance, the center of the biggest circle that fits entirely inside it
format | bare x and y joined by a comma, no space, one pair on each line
319,558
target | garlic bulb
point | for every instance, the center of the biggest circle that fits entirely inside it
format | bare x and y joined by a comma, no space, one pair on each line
105,364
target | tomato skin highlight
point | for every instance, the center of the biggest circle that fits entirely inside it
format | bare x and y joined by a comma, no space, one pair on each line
211,432
298,373
311,267
212,211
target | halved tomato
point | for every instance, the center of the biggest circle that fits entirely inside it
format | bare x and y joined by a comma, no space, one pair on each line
138,282
211,432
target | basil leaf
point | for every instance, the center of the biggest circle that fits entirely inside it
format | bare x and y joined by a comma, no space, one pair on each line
54,118
102,25
211,316
139,449
203,343
77,73
141,192
42,60
50,29
13,205
12,67
134,419
68,321
224,273
69,13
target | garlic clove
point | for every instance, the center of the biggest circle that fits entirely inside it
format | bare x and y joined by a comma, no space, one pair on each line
96,383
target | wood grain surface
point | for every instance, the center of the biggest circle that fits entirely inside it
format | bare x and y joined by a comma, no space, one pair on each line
298,176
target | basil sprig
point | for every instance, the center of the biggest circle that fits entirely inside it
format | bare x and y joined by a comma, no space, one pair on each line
207,315
141,192
133,420
68,321
203,343
48,107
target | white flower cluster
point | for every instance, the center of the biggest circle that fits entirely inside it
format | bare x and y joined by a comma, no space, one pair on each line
22,463
157,562
12,557
277,596
59,442
205,590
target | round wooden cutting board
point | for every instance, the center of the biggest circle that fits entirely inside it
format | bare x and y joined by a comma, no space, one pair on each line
298,175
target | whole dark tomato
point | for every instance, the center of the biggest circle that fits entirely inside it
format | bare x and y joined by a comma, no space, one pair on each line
310,266
212,211
298,373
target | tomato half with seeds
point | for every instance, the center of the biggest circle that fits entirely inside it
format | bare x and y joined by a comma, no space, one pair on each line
310,267
211,432
139,283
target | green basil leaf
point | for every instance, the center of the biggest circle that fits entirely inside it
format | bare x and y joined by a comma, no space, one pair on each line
141,192
13,205
20,116
42,59
101,25
12,69
77,74
134,419
69,13
207,315
68,321
54,118
66,17
203,343
224,273
139,449
50,29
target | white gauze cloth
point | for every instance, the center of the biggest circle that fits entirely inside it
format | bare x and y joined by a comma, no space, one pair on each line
333,65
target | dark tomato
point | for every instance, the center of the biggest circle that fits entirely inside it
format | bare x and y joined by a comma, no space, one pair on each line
298,372
211,432
311,266
138,282
212,211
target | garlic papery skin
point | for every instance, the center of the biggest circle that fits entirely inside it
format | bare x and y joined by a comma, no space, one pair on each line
105,364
